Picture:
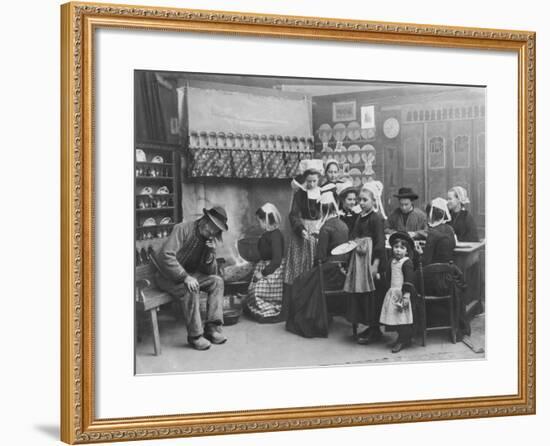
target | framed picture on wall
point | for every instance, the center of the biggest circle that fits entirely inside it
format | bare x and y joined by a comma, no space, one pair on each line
344,111
367,117
200,264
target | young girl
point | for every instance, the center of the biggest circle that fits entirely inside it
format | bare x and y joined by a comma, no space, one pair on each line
367,261
397,309
348,204
265,292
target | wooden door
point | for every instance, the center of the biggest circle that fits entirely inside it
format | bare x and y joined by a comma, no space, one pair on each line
412,160
436,158
461,160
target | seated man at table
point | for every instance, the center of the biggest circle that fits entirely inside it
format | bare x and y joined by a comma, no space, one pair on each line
407,218
187,263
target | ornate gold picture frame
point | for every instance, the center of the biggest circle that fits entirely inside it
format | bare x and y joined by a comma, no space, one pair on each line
80,21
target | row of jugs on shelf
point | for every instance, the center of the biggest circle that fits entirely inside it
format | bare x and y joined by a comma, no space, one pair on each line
153,172
222,140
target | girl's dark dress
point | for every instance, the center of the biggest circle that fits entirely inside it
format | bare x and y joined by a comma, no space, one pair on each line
364,308
348,217
307,313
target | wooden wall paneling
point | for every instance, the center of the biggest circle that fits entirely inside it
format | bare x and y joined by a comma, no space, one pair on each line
413,146
437,159
460,166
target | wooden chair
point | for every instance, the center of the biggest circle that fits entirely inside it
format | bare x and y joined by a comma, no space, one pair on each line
326,294
436,284
149,299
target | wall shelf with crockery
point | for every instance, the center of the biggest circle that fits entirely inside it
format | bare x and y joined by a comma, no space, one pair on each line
157,192
357,161
333,143
150,232
161,208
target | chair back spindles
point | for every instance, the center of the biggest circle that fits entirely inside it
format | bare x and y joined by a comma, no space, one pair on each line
440,278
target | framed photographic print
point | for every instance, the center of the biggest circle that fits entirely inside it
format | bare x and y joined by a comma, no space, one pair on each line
222,266
367,117
343,111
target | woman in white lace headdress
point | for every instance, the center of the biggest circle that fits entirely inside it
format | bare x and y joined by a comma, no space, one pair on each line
265,292
305,219
462,221
441,239
308,310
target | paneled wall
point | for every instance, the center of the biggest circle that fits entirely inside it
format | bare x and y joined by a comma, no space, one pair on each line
440,143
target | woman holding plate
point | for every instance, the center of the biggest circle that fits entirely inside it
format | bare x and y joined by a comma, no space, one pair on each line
367,263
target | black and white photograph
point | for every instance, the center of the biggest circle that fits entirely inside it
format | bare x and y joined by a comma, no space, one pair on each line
285,222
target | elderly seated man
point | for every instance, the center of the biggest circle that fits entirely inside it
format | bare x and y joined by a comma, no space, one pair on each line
407,218
187,265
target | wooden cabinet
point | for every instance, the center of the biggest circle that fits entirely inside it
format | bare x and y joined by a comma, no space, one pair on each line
157,195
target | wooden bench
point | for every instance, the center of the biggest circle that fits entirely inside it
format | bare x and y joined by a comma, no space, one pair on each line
149,299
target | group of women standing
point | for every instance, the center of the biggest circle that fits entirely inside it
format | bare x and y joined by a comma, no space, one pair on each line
380,291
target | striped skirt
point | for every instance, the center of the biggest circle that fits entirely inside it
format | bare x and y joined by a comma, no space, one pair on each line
301,252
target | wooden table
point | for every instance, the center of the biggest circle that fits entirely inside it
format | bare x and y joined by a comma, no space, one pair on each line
468,257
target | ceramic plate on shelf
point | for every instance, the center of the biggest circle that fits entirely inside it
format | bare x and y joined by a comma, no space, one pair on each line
368,148
325,132
339,132
354,131
368,133
140,156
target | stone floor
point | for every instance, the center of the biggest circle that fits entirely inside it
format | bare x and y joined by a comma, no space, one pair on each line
260,346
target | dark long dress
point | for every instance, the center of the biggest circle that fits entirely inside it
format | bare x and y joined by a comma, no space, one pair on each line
439,248
364,308
440,245
305,213
465,229
464,226
307,313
